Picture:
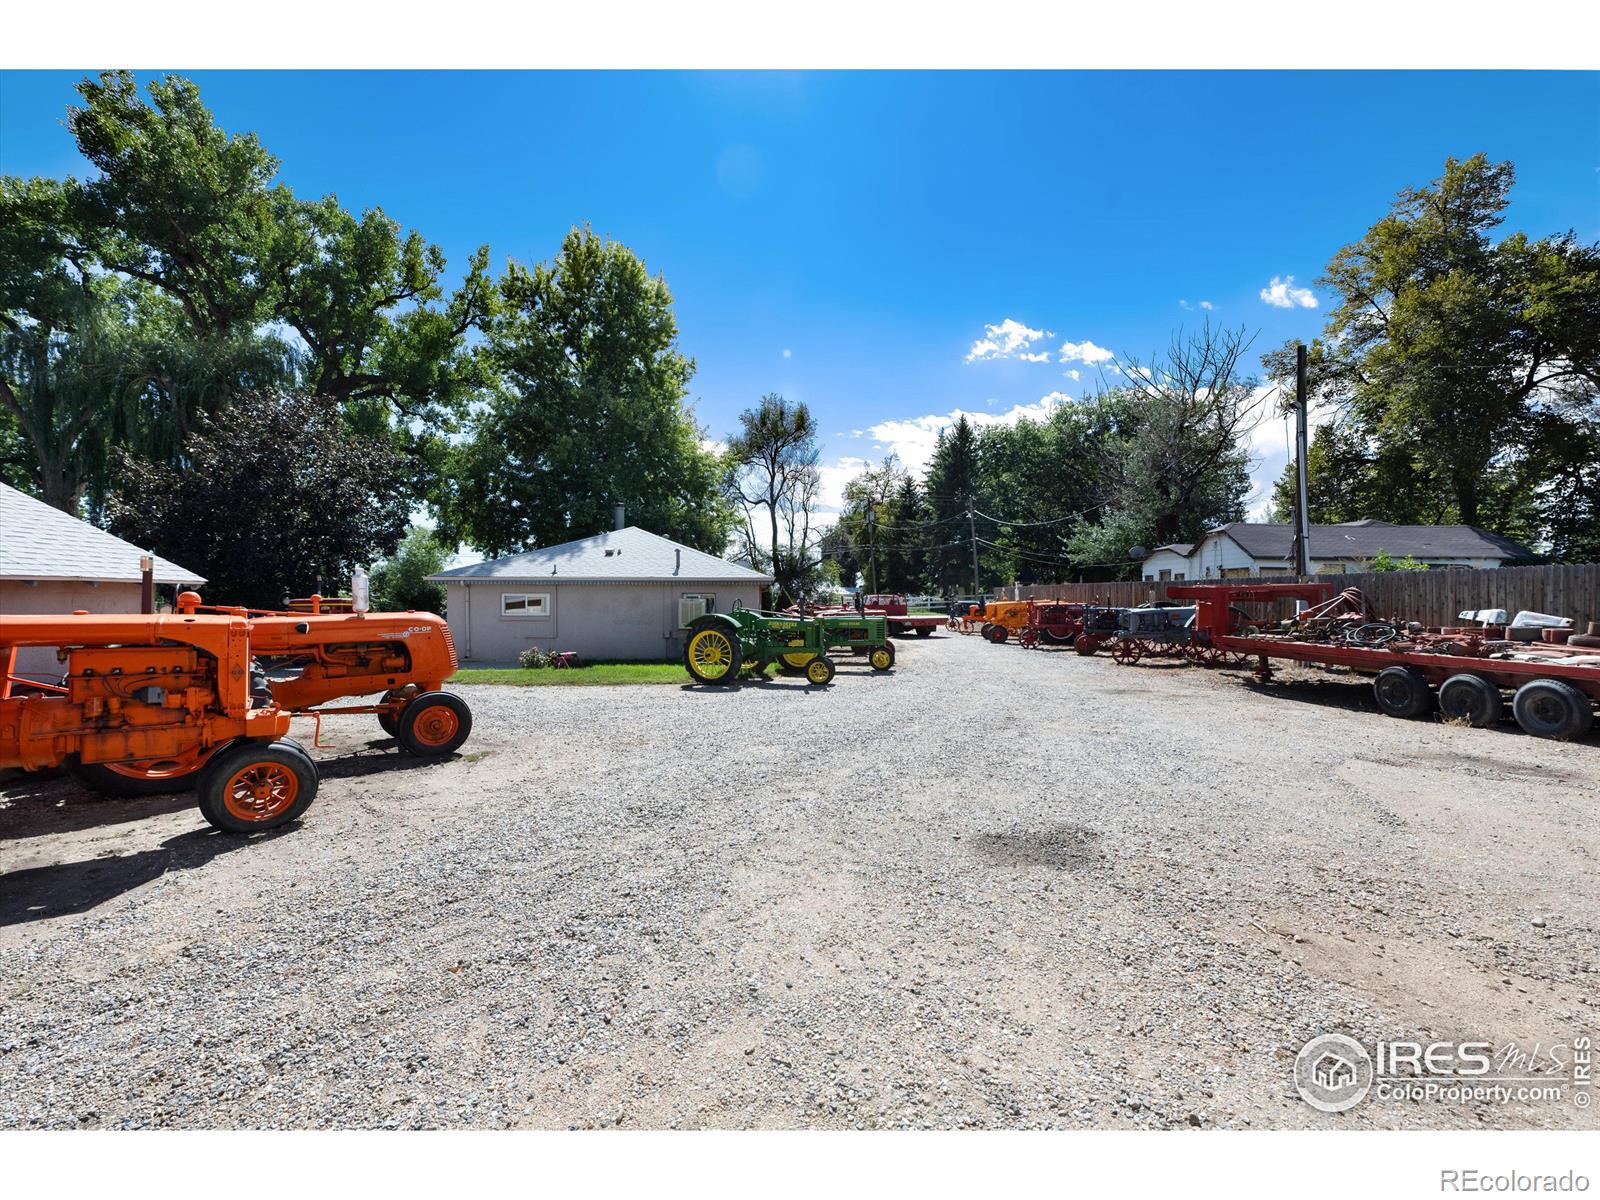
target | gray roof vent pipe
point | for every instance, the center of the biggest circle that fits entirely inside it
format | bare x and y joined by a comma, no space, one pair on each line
618,516
678,565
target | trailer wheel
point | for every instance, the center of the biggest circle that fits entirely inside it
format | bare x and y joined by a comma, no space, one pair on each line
713,655
820,671
434,724
1552,708
147,777
1472,697
997,634
924,631
1402,692
882,657
256,786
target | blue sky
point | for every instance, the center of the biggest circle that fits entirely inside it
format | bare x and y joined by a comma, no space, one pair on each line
846,239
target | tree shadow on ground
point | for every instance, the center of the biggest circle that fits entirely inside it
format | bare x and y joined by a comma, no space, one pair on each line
42,893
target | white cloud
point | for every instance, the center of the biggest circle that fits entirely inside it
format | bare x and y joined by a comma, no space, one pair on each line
788,353
1187,307
1281,293
913,439
1207,305
1087,353
1269,444
713,446
1074,374
833,477
1009,339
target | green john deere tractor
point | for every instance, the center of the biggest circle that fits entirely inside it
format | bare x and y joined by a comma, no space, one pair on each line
722,646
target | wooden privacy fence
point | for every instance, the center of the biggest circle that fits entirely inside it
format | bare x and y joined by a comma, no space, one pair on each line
1431,597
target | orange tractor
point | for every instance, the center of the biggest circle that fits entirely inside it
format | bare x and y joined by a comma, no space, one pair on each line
1001,619
301,661
162,689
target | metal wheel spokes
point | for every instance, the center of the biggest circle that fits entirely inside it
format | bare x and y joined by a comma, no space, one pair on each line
260,791
711,651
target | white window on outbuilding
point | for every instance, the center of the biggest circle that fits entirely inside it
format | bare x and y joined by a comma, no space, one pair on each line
524,604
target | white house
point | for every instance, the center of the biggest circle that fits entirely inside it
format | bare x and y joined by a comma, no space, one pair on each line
1243,549
622,595
52,562
1168,562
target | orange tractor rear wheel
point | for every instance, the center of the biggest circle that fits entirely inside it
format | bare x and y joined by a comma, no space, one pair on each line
146,777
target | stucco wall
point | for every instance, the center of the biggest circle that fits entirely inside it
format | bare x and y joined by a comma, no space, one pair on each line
598,621
60,596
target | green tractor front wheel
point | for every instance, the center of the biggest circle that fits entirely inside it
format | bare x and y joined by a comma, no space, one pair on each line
882,657
712,655
820,670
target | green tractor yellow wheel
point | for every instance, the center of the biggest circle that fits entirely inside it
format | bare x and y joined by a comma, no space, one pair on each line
795,663
712,655
882,658
820,671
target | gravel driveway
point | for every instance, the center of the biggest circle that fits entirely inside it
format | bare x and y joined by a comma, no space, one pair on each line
996,888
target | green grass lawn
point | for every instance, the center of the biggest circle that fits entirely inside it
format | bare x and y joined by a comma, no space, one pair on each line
592,675
598,673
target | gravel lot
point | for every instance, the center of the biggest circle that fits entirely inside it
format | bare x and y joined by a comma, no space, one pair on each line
996,888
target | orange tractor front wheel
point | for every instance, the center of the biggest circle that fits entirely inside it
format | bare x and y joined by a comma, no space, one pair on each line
434,724
251,787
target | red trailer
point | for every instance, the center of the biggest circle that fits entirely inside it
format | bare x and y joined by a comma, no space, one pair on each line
1553,688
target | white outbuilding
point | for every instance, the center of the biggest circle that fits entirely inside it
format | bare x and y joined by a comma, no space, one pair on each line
624,595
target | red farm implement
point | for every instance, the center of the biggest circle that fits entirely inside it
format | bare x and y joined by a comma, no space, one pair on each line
1465,675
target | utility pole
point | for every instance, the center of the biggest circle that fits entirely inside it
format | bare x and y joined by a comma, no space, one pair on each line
872,546
972,536
1302,518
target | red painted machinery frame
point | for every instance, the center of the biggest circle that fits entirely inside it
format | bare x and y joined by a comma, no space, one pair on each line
1213,601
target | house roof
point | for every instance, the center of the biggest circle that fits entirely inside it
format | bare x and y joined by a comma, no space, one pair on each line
1363,539
630,555
1183,549
38,541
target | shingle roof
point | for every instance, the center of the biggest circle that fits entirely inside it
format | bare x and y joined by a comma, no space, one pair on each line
630,555
1363,539
1183,549
38,541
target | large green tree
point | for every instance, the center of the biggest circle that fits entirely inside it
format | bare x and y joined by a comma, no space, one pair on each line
953,486
586,410
180,275
1463,365
274,498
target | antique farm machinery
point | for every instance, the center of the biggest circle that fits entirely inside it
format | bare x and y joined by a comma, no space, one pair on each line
156,689
722,646
303,661
1053,622
1553,688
